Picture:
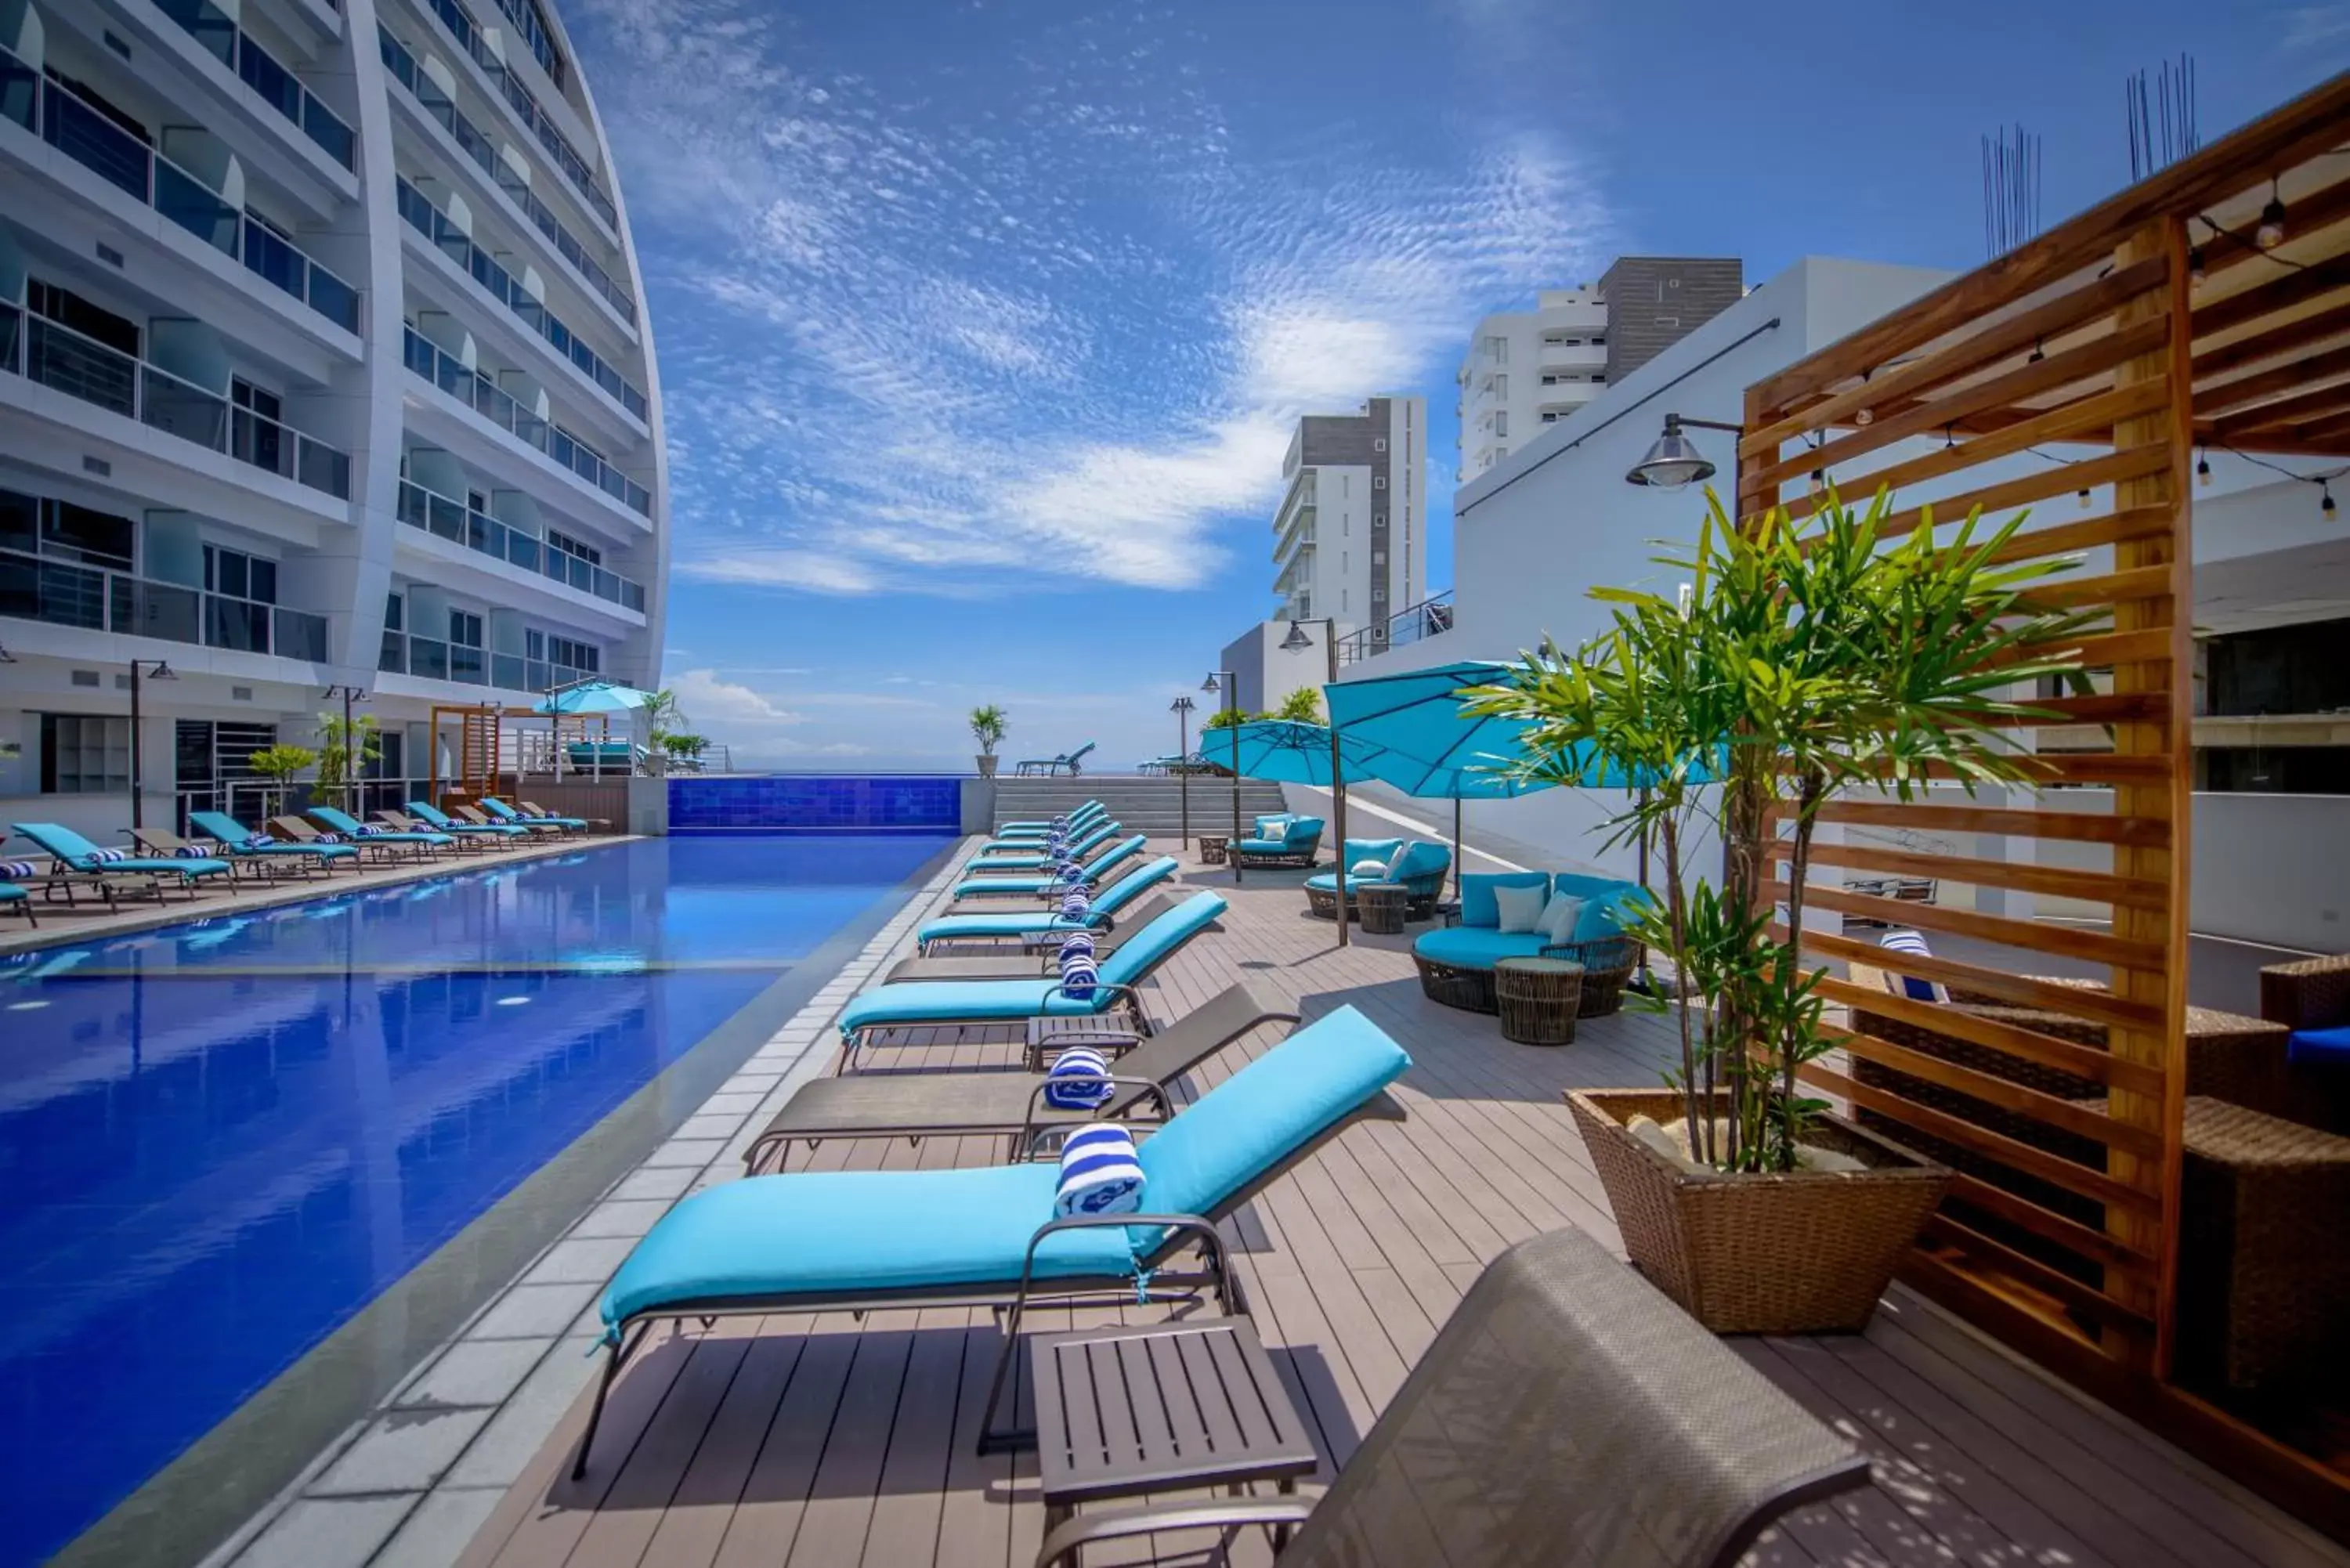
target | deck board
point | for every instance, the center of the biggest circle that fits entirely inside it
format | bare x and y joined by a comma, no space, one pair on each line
830,1443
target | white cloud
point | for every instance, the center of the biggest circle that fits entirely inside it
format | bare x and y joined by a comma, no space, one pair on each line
708,701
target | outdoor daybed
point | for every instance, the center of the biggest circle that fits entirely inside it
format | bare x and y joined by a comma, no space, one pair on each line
1456,962
1280,841
1414,864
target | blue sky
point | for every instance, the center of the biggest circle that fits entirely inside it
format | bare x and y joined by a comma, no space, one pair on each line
983,323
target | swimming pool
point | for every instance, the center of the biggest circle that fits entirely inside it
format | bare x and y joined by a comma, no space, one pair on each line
220,1140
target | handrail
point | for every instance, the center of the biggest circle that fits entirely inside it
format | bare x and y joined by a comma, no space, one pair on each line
81,367
437,659
1432,616
73,126
437,226
402,66
452,519
262,71
61,593
468,34
476,391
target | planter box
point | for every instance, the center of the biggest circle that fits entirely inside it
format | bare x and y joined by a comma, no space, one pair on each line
1805,1253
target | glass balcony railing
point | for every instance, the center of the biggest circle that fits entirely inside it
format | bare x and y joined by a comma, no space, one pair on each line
478,393
434,659
76,128
217,31
507,290
63,594
454,521
81,367
479,148
1432,617
468,34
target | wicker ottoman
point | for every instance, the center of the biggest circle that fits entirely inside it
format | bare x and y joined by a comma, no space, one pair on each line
1211,850
1538,999
1379,908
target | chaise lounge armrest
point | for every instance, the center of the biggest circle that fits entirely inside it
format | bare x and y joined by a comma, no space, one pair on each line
1225,1514
1030,1133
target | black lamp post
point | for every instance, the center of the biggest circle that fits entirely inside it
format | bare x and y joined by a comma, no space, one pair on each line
1182,708
1298,641
162,672
1231,691
351,748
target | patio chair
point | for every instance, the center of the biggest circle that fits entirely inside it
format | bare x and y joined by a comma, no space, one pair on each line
1052,766
1107,908
530,816
1416,865
20,898
462,838
1037,960
76,862
237,842
479,818
1030,857
944,1003
533,809
439,821
386,843
915,1105
1078,820
1280,841
857,1241
1024,884
1568,1416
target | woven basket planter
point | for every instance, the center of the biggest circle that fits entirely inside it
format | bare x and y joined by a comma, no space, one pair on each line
1805,1253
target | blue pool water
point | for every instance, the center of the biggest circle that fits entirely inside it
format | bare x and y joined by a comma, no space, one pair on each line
220,1140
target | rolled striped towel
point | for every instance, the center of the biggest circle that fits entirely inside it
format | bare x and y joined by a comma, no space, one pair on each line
1076,906
328,838
258,841
1913,943
1079,976
370,830
18,871
1076,944
107,857
194,852
1078,1080
1099,1174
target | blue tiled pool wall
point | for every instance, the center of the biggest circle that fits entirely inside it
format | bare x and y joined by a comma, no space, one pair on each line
789,803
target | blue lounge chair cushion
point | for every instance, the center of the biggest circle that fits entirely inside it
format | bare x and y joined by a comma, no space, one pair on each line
73,850
1118,856
10,893
1476,947
342,822
2328,1048
1478,905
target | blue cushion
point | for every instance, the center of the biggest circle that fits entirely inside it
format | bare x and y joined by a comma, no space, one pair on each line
1263,847
1478,905
1163,936
1358,850
10,891
2319,1048
1327,881
1247,1124
1476,947
1303,831
1421,859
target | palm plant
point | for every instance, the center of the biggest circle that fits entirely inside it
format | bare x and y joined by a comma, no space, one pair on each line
987,726
345,747
1809,658
281,762
1302,706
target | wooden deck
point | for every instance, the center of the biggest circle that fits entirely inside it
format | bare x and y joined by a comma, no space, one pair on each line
830,1443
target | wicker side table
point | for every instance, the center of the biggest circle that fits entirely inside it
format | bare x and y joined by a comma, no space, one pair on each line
1211,850
1539,999
1379,908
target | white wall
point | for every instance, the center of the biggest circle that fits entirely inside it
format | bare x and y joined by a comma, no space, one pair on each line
2272,868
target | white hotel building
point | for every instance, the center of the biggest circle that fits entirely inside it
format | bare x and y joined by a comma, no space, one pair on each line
324,365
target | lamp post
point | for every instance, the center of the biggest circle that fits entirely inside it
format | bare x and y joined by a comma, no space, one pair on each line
351,747
1231,691
1182,708
162,672
1298,641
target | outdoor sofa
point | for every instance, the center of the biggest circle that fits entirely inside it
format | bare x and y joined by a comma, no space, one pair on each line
1280,841
1415,864
1456,962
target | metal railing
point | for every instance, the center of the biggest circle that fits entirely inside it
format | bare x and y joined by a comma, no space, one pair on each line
453,520
259,70
403,68
468,34
483,395
432,658
81,367
1432,616
76,128
96,599
503,287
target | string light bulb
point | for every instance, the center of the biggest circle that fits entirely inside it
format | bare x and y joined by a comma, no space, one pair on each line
2085,500
2325,507
1865,416
2195,266
2270,234
2203,470
2039,352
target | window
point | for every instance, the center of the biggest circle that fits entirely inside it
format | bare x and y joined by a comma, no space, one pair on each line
571,546
1379,481
464,629
67,308
83,753
238,576
1501,423
1550,418
62,531
1669,321
1599,342
1379,443
391,612
1379,557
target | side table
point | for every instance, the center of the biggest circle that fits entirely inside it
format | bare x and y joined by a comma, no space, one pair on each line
1211,850
1124,1411
1539,998
1049,1036
1379,908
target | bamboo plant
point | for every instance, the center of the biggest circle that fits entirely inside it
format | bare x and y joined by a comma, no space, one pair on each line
1804,658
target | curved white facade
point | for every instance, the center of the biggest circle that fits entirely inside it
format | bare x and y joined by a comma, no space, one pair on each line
324,363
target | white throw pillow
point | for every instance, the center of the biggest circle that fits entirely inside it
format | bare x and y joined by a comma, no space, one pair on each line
1521,909
1374,869
1558,916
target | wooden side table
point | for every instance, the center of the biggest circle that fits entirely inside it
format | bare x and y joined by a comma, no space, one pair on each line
1379,908
1539,998
1124,1411
1211,850
1050,1035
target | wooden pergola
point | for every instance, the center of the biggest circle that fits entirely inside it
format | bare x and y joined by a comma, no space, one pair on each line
2094,362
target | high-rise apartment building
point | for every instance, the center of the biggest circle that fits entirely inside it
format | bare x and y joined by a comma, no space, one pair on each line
324,365
1350,536
1526,369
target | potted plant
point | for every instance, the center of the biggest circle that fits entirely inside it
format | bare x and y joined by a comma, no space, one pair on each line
346,749
281,762
1805,658
987,727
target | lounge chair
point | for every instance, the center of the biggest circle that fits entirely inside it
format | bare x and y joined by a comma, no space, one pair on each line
1026,884
1108,909
1280,841
950,1104
1030,858
432,817
467,840
13,897
78,862
236,840
1085,816
532,808
872,1239
1040,958
1051,766
477,817
531,816
388,842
919,1003
1567,1414
1416,865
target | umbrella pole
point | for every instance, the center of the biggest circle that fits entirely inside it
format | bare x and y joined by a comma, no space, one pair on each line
1338,783
1648,981
1232,855
1456,848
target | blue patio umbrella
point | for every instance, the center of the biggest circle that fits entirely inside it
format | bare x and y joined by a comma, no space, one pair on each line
594,697
1287,752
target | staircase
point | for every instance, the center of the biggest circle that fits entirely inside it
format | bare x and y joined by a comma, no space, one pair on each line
1146,806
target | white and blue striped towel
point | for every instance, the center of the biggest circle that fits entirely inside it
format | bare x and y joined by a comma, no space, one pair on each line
258,841
1076,906
18,871
1078,1080
1913,943
106,856
1079,978
370,830
194,852
1099,1174
1076,944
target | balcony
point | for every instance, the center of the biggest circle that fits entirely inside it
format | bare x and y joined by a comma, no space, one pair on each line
468,34
217,31
503,287
95,599
1432,617
431,659
485,153
453,520
63,120
481,395
65,360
